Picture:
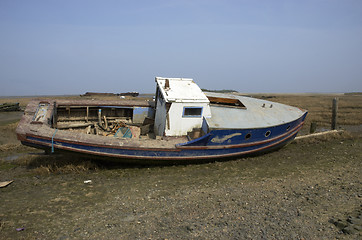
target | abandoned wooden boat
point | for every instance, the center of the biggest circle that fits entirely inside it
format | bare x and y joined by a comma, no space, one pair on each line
182,123
9,107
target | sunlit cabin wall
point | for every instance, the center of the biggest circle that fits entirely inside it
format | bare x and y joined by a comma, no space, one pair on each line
177,124
173,95
173,122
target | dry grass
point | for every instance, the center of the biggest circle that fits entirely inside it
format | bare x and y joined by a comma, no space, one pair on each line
39,164
2,225
23,101
10,147
9,127
48,164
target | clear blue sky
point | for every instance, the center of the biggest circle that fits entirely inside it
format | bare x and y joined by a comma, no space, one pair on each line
74,46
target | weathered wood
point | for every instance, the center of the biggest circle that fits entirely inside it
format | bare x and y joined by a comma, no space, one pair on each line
65,118
318,134
6,183
96,130
100,117
145,129
87,114
74,125
313,127
7,107
101,127
55,116
62,103
89,129
105,122
334,113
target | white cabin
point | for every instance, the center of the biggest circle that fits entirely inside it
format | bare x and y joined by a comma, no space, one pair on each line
181,106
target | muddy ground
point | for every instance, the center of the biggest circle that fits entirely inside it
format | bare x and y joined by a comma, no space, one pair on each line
310,189
297,192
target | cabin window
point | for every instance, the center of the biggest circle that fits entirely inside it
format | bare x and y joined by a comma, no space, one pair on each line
192,112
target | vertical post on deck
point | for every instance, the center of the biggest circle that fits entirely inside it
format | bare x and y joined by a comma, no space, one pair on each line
87,117
334,113
55,116
100,117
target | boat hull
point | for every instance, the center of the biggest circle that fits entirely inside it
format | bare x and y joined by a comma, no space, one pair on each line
236,144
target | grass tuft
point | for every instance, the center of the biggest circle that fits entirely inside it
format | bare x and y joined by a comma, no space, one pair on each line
10,147
49,164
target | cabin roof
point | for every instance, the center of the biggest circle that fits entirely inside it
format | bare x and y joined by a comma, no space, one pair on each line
180,90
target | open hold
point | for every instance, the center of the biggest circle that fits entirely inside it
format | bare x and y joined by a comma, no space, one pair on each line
232,102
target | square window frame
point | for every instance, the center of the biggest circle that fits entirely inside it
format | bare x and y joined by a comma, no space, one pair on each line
192,116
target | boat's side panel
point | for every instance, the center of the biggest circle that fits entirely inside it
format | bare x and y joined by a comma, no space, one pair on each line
222,137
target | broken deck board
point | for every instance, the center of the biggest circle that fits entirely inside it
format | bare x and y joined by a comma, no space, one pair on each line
74,125
5,184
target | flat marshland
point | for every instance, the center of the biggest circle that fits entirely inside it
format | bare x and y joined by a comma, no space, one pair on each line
309,189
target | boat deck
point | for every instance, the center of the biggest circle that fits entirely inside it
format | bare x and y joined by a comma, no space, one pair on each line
29,127
257,113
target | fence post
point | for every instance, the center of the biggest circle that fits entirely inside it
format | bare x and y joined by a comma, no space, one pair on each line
334,113
313,127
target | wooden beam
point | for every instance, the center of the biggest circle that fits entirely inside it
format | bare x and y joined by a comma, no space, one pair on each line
100,116
74,125
318,134
105,122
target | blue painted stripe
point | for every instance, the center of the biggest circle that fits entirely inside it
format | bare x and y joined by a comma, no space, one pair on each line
183,154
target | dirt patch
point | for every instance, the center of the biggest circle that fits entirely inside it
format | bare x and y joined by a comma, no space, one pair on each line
293,193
